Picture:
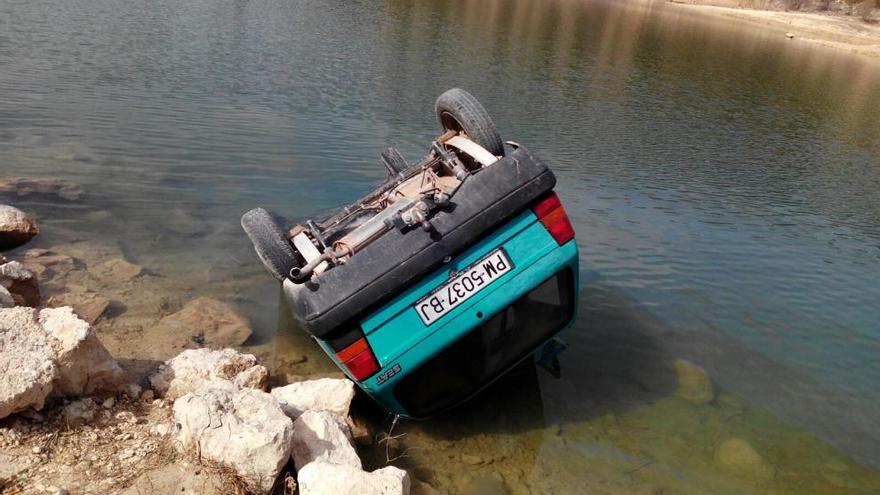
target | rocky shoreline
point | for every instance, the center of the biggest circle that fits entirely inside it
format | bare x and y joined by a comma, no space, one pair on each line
77,420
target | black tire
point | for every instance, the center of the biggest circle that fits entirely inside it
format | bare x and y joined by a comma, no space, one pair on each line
270,243
458,110
394,162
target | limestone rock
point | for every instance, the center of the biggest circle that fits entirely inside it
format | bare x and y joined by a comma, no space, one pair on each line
80,411
25,186
26,367
244,429
694,384
16,227
6,299
322,435
117,269
84,365
201,322
198,369
737,456
324,478
45,263
325,394
21,284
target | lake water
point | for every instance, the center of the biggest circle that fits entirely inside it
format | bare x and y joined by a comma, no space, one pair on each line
723,184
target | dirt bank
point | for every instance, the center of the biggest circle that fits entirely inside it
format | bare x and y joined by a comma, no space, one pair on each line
830,28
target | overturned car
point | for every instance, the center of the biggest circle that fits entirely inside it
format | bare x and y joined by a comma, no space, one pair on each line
452,271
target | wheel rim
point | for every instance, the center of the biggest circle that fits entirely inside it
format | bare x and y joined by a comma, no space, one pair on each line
450,123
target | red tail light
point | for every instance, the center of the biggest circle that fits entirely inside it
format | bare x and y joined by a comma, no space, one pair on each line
358,359
552,215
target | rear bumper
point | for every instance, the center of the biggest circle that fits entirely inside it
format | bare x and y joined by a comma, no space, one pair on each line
396,260
398,362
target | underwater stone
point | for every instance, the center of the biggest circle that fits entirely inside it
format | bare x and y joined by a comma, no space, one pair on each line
16,227
694,384
324,478
202,322
26,186
737,456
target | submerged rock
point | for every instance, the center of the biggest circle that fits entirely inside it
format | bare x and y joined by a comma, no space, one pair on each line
244,429
87,304
322,435
117,269
16,227
20,283
198,369
50,352
737,456
201,322
324,478
6,299
25,186
694,384
45,263
325,394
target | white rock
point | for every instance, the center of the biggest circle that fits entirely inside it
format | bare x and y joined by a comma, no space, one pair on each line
244,429
325,394
6,300
26,367
20,283
197,369
322,435
84,365
50,351
79,411
16,227
324,478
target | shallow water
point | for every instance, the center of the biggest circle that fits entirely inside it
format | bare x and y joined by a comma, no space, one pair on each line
723,184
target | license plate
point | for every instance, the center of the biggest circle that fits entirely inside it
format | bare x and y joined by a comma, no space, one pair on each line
474,278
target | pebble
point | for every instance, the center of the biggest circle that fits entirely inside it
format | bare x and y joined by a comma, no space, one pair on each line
37,449
472,460
109,403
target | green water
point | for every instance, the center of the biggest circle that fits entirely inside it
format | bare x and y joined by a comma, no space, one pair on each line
722,183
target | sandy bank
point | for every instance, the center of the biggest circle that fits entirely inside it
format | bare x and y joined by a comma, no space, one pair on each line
840,32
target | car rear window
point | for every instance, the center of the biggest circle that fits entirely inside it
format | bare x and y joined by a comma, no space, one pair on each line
476,359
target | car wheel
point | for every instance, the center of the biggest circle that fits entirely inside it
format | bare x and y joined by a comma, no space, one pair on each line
458,110
270,243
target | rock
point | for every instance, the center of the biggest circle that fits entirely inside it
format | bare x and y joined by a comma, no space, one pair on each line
324,478
198,369
244,429
201,322
322,435
84,365
117,269
147,396
694,384
109,403
471,460
737,456
361,431
789,35
44,263
24,187
26,366
6,300
79,411
325,394
16,227
21,284
86,303
10,466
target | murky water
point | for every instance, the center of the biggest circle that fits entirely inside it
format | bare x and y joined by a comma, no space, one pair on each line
723,184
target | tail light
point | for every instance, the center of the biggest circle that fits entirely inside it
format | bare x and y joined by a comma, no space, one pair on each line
552,215
358,359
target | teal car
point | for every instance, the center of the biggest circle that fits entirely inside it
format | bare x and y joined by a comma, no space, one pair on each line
449,274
